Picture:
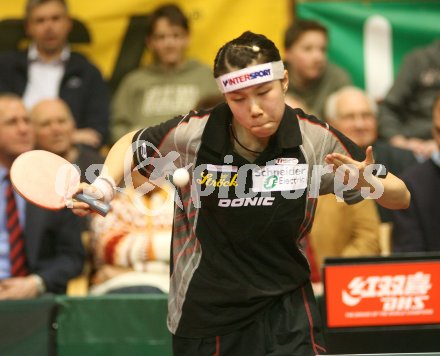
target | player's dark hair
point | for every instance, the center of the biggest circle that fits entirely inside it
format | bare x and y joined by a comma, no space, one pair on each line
298,28
172,13
244,50
32,4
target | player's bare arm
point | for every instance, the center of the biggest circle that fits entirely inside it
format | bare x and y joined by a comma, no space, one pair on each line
113,172
395,193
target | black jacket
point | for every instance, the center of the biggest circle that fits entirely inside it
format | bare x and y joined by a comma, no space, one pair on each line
396,161
82,87
53,246
417,229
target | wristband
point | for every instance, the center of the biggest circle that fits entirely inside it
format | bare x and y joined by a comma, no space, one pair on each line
380,171
106,186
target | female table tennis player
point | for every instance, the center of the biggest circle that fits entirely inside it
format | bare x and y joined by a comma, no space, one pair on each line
239,280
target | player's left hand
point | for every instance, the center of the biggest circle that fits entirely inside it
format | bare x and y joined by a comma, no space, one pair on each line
352,169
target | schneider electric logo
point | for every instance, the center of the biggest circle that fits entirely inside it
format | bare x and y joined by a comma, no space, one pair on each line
403,292
270,182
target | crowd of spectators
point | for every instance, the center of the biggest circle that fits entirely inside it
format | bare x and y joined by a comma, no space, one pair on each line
55,99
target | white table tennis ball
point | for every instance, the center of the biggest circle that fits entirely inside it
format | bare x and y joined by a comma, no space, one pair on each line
180,177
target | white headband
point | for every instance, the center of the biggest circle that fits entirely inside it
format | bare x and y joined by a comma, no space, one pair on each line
248,76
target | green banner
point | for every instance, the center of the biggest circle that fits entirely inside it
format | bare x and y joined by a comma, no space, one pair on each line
131,324
370,38
26,326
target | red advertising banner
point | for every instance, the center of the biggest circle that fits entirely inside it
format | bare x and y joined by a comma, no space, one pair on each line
391,293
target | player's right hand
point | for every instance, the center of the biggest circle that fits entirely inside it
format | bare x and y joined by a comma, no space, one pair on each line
80,208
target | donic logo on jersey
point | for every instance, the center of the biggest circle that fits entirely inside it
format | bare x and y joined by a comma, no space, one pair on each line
238,202
246,77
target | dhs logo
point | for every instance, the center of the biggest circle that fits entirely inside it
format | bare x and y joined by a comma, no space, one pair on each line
398,293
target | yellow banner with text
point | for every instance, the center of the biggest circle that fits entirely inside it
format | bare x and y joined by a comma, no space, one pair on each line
111,33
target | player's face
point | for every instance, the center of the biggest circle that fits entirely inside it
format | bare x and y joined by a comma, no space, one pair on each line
259,108
53,127
307,57
356,119
16,135
436,124
49,25
168,43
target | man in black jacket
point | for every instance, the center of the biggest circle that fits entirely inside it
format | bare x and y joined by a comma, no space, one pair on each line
418,228
405,113
48,69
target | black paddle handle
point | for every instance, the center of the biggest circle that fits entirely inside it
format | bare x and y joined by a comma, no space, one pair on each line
96,205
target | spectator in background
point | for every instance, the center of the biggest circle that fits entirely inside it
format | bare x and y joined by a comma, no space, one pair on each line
312,78
48,69
54,128
131,245
405,113
418,228
352,112
41,249
295,102
342,230
170,86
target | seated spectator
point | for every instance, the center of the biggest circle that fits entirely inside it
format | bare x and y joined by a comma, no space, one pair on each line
131,245
405,113
54,128
48,69
170,86
417,229
40,250
352,112
342,230
311,77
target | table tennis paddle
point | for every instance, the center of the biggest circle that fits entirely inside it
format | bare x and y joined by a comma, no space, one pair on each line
49,181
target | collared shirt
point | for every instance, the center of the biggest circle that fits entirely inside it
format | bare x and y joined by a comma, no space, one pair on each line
44,78
5,266
237,228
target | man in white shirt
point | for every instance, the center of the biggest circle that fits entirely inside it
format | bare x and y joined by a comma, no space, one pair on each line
48,69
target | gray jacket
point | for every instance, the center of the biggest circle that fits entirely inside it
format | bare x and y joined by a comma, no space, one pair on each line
407,108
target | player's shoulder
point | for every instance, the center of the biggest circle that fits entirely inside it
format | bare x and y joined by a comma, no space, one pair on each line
308,121
200,114
185,125
321,134
312,128
194,121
